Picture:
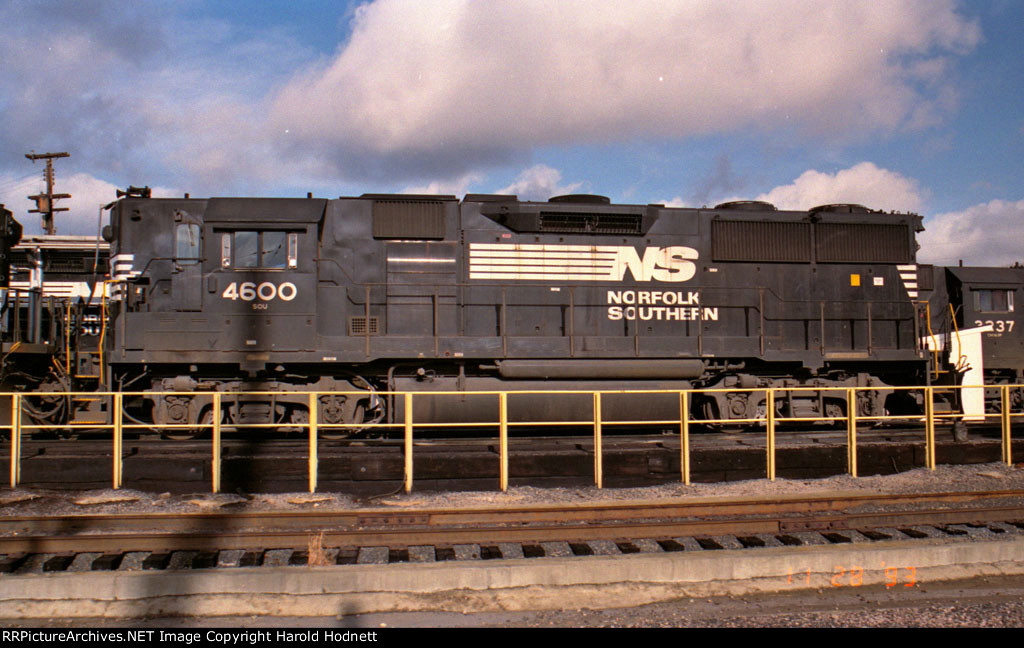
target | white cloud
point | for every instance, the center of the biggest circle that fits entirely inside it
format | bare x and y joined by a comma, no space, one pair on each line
539,183
427,90
139,93
863,183
456,187
455,80
988,234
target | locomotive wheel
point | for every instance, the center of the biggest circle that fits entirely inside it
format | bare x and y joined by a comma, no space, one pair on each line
338,433
835,410
187,434
728,429
707,409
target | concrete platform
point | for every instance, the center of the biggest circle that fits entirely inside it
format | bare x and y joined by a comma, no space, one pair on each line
510,584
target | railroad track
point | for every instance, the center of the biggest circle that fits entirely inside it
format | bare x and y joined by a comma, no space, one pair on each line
149,566
346,533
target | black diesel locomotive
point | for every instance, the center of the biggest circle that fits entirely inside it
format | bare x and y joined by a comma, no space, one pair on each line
419,293
398,292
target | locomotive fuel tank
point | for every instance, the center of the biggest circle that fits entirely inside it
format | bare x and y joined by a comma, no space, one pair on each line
528,382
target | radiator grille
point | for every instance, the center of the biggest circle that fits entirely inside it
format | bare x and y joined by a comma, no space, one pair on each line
760,241
576,222
68,262
788,242
408,219
861,243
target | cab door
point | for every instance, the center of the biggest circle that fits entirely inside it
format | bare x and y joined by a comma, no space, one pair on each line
260,281
187,273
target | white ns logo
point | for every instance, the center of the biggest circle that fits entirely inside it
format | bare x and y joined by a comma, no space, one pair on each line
673,264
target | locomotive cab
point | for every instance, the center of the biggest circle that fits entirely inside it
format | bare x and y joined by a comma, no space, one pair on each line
990,348
260,276
219,295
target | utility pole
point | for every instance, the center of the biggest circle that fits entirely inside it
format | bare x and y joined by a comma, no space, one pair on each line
44,201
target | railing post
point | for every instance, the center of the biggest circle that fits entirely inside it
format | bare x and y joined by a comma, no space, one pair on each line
118,441
503,438
684,435
215,468
769,412
1004,413
15,439
408,442
851,432
929,423
598,463
313,458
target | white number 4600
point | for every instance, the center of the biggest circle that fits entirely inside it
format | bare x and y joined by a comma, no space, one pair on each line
266,291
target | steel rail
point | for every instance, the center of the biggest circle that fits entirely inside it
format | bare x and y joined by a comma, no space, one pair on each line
629,520
511,514
215,540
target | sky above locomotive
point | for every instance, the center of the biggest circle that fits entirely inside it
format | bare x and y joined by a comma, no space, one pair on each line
896,104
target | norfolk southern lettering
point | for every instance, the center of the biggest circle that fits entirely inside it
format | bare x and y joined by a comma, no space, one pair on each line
658,305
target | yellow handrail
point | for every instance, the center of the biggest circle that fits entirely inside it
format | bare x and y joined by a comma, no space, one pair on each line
769,418
959,347
935,342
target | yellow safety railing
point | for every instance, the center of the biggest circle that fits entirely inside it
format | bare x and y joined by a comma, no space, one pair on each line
770,419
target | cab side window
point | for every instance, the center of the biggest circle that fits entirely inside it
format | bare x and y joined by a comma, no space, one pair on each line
267,249
186,241
274,249
993,301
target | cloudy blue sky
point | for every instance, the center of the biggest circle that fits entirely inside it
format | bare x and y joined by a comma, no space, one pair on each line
897,104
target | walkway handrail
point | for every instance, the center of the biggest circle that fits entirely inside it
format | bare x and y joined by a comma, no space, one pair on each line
770,420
